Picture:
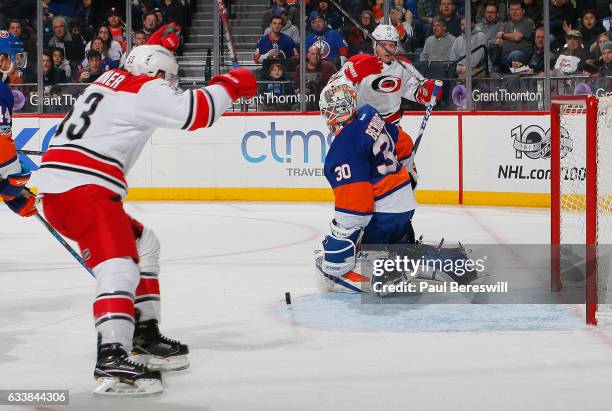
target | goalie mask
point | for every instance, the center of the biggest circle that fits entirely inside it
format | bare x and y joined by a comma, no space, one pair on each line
153,61
338,104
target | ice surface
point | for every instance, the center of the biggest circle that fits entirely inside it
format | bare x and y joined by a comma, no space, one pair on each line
225,269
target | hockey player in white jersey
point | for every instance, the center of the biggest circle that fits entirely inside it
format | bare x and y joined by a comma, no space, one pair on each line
82,182
383,79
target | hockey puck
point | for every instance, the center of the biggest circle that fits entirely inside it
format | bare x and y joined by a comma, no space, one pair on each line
288,298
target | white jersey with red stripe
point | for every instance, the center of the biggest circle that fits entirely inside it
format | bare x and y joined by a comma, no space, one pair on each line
102,136
384,91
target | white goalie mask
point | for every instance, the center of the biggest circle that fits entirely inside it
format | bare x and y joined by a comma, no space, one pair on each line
151,60
338,104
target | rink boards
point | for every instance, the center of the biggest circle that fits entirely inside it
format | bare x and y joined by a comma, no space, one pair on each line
485,158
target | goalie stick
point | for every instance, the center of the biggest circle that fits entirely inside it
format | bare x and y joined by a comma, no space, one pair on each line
228,33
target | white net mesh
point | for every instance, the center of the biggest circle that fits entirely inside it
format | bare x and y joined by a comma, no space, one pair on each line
573,135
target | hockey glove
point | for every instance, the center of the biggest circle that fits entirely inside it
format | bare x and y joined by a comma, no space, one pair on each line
167,36
360,68
425,91
14,183
24,204
238,83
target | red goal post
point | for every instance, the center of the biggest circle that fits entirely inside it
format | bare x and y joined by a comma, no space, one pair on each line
581,204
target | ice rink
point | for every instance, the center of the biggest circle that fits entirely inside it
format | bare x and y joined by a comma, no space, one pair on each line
225,270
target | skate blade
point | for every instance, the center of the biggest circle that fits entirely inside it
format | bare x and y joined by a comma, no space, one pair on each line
174,363
113,387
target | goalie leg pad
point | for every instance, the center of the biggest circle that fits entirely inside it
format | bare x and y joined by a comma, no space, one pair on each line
449,260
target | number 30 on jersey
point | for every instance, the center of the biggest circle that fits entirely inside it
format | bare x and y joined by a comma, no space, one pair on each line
343,172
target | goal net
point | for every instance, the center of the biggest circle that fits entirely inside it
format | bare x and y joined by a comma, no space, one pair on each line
581,197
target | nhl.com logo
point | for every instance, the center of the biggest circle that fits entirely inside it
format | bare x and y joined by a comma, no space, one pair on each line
533,142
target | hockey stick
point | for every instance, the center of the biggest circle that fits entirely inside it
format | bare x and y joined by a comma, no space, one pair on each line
228,33
432,102
365,31
31,152
63,242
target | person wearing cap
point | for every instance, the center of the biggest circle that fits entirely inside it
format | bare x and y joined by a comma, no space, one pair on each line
293,14
332,44
573,57
288,27
117,28
515,34
606,55
275,44
331,16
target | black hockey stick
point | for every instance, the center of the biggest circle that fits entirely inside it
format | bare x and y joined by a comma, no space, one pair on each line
228,33
365,31
31,152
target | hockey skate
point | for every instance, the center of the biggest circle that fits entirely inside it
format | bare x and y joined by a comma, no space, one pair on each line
118,375
155,350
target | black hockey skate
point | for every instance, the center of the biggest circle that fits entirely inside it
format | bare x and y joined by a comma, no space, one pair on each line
118,375
157,351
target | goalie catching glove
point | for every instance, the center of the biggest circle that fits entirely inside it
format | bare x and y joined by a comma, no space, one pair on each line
425,91
361,67
238,83
339,250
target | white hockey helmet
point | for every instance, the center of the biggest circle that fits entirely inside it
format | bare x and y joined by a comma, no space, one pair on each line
338,104
385,32
151,60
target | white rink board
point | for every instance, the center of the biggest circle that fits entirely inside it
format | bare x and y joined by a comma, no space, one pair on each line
268,151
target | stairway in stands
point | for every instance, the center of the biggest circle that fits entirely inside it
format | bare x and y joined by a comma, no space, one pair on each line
245,20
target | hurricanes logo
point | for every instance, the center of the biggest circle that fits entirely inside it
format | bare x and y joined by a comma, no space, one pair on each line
324,46
387,84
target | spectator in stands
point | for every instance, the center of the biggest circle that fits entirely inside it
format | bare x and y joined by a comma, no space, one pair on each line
330,14
562,20
140,38
114,49
85,13
50,75
106,63
459,49
606,18
93,70
357,40
60,63
63,8
61,38
174,11
447,12
606,54
574,57
590,28
406,34
426,11
318,72
595,49
438,45
499,4
378,10
117,29
294,14
490,24
15,27
536,61
515,35
332,44
161,17
353,7
76,31
149,23
276,88
534,10
275,44
288,28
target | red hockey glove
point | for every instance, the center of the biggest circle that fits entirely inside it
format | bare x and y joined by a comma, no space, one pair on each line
24,204
426,90
360,68
238,83
167,36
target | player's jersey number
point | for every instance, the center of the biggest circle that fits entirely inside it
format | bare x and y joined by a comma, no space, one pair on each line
343,172
384,146
91,102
